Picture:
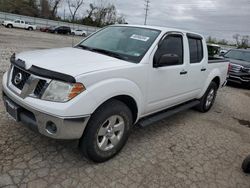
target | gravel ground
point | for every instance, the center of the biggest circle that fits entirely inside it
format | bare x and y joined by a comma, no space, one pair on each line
187,150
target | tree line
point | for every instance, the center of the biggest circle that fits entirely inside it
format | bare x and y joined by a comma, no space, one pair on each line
241,41
98,14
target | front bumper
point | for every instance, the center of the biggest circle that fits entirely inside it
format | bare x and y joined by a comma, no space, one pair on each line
240,78
66,127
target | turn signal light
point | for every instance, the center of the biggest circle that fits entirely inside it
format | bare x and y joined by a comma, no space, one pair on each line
76,90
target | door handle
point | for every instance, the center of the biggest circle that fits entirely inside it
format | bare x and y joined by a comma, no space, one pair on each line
183,72
203,69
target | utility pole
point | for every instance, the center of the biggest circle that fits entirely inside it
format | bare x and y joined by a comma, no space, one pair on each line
146,9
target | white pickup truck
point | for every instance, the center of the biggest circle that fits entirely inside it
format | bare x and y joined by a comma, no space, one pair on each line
118,77
19,24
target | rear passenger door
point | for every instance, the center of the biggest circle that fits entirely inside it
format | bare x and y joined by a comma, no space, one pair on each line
197,68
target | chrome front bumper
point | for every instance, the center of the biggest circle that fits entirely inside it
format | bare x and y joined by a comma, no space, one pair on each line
66,127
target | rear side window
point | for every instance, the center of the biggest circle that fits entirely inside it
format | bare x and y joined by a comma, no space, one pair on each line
195,49
172,44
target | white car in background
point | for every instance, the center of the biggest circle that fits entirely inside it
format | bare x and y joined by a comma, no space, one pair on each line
19,24
79,32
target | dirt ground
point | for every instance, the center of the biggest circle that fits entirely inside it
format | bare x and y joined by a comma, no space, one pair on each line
187,150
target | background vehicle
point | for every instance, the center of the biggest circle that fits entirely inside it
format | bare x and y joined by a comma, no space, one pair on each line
97,90
60,30
44,29
19,24
240,66
79,32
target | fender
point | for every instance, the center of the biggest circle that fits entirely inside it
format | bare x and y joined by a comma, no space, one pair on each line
107,89
214,73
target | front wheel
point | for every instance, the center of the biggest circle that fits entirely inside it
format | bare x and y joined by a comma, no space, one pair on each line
107,131
207,101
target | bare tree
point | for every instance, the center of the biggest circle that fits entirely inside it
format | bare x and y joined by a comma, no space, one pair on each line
237,39
45,12
74,7
244,41
91,10
54,4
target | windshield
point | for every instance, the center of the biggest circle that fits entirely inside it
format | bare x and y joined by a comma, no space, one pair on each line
238,55
127,43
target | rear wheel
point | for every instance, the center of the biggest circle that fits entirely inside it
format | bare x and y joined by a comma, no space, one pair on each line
30,29
107,131
208,98
10,26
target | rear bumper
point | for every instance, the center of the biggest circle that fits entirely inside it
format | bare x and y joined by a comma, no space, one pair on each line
66,127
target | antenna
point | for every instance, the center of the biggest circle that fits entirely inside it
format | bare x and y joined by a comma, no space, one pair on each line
147,2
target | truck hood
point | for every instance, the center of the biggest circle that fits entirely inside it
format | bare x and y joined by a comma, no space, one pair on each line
71,61
239,62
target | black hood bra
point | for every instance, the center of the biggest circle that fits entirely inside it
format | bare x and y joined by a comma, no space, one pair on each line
41,71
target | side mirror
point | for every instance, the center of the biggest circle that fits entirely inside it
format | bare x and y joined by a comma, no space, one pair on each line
167,60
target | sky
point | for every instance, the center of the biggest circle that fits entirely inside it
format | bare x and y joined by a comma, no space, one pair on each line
216,18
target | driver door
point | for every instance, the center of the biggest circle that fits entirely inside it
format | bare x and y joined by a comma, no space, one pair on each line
17,23
168,83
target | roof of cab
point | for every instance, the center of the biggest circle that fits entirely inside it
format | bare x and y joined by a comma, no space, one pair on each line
163,29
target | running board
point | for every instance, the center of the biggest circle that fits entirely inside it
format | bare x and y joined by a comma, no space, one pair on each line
144,122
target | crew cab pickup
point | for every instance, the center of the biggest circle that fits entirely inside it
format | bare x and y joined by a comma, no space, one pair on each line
118,77
19,24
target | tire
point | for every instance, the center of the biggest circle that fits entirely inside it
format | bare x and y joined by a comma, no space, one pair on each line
73,33
207,101
246,165
246,85
100,143
10,26
30,29
84,35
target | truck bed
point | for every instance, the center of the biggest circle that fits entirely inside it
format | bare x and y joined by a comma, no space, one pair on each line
212,59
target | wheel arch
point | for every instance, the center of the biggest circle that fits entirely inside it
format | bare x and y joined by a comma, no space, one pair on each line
217,81
129,101
214,76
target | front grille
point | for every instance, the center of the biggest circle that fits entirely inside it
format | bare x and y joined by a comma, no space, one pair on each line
40,88
19,78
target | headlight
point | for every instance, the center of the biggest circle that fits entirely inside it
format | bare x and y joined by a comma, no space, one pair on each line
62,92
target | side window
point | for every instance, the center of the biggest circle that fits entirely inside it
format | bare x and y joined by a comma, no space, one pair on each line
22,22
17,21
195,49
172,45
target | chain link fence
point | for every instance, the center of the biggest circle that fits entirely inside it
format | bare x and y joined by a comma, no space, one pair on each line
40,22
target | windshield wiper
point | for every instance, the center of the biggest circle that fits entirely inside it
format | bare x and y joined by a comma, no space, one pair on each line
109,53
85,47
102,51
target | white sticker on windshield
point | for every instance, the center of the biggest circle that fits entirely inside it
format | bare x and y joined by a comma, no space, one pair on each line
140,37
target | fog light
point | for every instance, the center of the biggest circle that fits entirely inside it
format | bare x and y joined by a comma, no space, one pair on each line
51,127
